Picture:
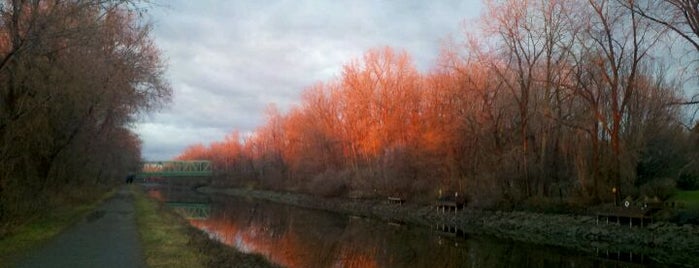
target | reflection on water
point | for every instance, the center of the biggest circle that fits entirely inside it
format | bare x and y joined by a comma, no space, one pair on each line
297,237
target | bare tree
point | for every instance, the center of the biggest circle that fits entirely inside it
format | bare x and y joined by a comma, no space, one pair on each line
73,75
680,16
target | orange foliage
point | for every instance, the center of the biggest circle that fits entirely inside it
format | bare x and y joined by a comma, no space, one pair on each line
194,152
382,111
521,113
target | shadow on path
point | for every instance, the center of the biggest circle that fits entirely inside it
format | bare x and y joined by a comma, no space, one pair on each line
107,237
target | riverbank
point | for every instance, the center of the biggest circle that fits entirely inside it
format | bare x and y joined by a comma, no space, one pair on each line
170,241
662,242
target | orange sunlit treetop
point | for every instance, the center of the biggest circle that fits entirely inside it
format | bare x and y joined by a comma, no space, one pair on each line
541,95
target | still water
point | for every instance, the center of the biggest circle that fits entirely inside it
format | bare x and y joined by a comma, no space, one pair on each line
298,237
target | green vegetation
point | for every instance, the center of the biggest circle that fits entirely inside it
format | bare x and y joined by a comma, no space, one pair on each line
169,241
689,198
688,212
41,228
163,235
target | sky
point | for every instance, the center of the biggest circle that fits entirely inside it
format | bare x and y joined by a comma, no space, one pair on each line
229,60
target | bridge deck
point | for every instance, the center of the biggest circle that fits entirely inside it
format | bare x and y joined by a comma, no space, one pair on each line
197,168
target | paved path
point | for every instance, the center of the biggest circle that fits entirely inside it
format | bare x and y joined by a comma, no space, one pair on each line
107,237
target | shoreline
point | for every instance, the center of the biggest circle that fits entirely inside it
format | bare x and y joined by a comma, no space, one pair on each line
663,242
164,234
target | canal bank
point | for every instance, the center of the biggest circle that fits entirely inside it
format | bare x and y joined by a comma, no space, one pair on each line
170,241
662,242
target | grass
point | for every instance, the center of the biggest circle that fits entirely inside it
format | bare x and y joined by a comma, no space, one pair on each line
164,236
37,231
690,198
169,241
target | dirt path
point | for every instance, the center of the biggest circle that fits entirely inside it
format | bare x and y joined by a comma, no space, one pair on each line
107,237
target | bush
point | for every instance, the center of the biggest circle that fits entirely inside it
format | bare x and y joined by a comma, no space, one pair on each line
688,182
662,188
686,217
327,184
547,205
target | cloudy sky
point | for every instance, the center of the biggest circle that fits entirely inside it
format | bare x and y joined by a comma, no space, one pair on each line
228,60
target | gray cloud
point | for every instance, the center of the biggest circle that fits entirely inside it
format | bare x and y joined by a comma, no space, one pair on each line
228,60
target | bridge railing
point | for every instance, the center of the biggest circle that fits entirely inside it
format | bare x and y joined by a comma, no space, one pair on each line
191,211
195,168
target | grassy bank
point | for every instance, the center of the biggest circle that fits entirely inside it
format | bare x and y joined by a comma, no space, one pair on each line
43,227
169,241
163,235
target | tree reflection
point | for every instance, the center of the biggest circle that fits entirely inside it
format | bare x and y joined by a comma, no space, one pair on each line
296,237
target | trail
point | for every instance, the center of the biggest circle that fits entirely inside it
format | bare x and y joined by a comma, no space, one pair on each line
107,237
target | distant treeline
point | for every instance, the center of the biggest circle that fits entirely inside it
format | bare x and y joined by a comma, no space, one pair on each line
73,76
545,100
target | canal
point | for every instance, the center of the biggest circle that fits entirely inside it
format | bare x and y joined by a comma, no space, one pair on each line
298,237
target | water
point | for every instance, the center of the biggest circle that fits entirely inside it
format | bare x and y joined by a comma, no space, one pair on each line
298,237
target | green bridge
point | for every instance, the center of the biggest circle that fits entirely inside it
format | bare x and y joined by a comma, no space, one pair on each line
196,168
191,211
